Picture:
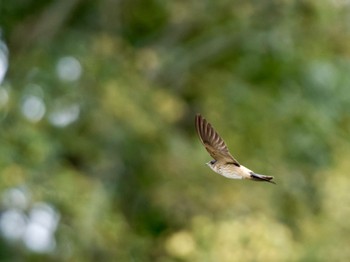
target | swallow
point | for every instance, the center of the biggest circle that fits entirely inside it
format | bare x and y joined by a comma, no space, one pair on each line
223,163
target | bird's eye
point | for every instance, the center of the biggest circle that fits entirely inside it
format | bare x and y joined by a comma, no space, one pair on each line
212,162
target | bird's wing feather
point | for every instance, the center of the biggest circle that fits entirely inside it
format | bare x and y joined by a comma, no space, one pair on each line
213,143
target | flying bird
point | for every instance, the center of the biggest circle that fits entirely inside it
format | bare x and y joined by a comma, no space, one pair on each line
223,163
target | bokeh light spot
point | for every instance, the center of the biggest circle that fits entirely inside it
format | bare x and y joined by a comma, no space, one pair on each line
63,116
180,244
3,60
33,108
39,235
12,224
15,197
68,69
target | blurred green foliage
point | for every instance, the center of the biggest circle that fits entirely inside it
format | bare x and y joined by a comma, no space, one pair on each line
97,111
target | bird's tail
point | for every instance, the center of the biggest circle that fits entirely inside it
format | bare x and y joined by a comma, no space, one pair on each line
257,177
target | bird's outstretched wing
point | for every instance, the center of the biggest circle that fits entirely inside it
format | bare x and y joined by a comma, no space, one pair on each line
213,143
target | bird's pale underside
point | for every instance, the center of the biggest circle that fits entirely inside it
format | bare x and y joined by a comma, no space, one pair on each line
224,163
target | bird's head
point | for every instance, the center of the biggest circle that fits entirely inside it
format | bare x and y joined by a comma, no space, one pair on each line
211,163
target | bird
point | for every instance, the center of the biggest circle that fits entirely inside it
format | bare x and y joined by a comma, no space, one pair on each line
223,163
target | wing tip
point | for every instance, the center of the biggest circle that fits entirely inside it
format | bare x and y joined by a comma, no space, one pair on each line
198,120
198,116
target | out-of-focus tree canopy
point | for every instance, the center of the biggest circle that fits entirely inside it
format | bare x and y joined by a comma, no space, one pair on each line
99,158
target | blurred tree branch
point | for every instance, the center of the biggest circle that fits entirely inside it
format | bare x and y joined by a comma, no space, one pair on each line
43,26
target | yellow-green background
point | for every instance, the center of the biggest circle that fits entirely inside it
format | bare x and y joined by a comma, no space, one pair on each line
128,178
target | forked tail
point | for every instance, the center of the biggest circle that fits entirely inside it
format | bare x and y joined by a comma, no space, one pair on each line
257,177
